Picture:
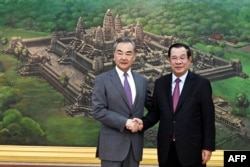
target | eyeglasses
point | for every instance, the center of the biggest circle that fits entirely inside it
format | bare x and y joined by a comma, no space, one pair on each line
175,59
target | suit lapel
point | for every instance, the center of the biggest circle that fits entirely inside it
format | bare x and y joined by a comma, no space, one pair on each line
164,89
137,88
168,86
186,89
118,85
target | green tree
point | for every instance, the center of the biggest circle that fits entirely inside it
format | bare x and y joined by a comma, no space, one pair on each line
4,135
218,51
32,127
242,103
11,116
4,41
8,95
21,52
32,132
16,129
15,133
64,80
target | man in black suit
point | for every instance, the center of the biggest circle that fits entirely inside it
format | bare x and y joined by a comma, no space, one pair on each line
186,135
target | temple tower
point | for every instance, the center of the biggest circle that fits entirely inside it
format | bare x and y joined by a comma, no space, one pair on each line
139,33
108,26
99,38
99,34
118,24
80,30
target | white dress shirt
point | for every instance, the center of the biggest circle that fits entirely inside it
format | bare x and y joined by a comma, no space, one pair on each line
130,80
181,83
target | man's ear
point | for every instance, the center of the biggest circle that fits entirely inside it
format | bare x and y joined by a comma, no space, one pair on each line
190,58
113,56
168,60
134,57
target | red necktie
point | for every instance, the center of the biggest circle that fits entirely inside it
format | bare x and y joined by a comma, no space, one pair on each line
176,93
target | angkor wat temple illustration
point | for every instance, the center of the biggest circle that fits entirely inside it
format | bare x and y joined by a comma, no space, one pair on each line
70,60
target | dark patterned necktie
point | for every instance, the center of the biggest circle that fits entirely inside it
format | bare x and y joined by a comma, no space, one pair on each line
127,90
176,93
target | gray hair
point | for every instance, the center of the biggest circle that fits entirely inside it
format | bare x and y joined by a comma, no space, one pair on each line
124,39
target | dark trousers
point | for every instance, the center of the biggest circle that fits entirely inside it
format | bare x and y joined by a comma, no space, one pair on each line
173,161
128,162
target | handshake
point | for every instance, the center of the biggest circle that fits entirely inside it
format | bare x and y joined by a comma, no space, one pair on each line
134,125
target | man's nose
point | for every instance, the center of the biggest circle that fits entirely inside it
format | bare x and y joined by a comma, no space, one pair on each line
123,56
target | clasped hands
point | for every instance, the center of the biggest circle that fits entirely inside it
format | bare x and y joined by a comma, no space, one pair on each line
134,125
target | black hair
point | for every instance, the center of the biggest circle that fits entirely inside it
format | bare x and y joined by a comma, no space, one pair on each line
180,45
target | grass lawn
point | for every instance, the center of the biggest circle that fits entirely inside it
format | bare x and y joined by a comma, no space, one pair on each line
10,32
229,88
44,104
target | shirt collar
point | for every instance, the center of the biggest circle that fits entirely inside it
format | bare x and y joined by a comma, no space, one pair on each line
182,78
120,72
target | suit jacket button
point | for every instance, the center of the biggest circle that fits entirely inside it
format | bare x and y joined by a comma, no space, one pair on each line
174,121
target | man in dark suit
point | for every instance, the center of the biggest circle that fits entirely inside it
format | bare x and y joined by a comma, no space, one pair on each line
186,134
119,143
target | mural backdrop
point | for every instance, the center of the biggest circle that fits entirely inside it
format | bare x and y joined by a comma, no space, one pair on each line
51,52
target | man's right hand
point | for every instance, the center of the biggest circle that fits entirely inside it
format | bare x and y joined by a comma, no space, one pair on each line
134,125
